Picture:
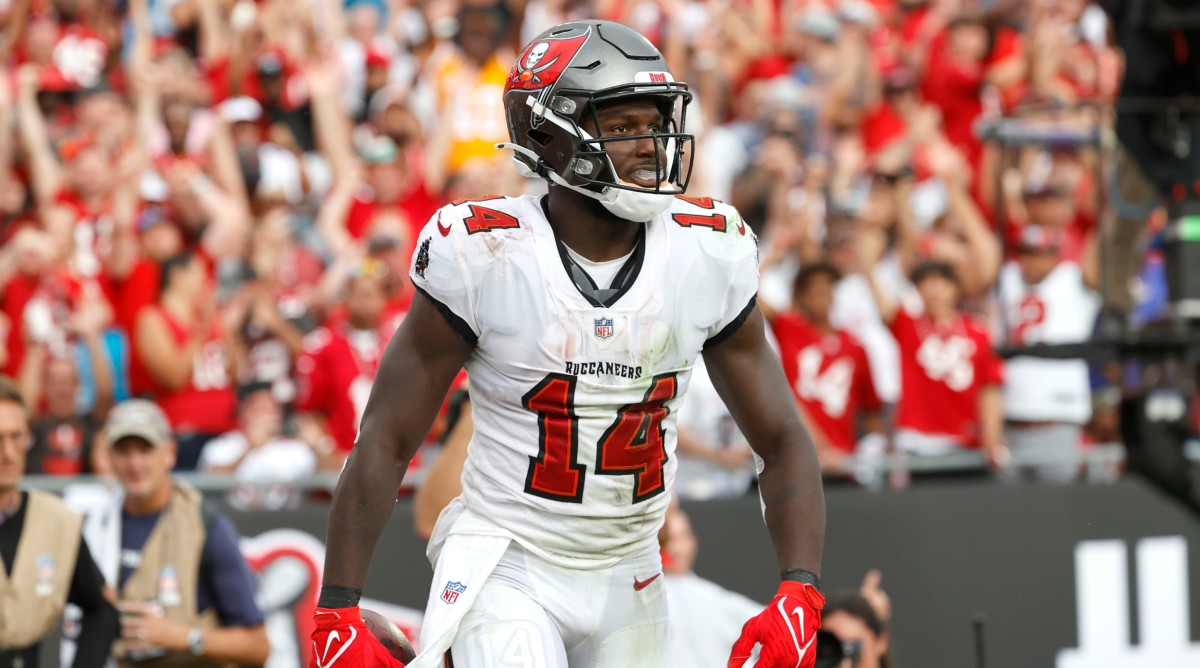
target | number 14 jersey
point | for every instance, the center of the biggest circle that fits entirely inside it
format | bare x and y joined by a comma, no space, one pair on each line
574,395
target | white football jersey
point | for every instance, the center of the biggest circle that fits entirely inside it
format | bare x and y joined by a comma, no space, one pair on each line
574,401
1059,309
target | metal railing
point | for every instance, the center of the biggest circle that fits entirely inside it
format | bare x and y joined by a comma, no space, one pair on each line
1100,462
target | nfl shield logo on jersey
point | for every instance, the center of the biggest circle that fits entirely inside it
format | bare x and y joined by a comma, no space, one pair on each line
452,590
604,327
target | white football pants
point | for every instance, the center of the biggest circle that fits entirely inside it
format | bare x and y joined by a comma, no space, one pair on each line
534,614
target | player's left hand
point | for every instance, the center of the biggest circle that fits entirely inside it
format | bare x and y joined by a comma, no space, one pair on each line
786,629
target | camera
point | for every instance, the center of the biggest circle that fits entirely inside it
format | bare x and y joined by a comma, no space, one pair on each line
832,651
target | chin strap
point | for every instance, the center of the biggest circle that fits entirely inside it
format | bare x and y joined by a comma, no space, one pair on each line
543,171
630,205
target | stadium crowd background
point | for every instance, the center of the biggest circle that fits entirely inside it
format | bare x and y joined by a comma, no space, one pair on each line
214,203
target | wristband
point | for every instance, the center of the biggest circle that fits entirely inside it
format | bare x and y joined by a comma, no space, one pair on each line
804,576
333,596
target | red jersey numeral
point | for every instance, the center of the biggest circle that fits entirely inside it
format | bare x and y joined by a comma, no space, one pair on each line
702,202
1031,313
484,219
210,367
633,445
715,221
485,198
555,473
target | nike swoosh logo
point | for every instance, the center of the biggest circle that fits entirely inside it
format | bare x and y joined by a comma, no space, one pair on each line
323,660
639,585
799,612
444,229
796,641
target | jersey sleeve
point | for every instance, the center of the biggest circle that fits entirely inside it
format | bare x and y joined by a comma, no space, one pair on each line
439,273
739,250
989,367
902,325
313,372
868,398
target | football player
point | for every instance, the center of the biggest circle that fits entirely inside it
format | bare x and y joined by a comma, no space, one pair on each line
578,316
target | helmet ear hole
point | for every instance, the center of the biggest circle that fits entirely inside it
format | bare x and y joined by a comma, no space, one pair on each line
542,138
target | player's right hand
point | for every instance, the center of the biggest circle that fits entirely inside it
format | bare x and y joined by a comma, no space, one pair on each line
341,640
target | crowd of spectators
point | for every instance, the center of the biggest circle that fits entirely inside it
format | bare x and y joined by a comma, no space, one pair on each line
213,204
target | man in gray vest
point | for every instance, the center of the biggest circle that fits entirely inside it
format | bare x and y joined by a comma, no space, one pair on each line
186,592
47,566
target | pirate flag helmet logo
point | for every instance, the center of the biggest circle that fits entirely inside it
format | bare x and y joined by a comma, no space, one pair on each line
543,61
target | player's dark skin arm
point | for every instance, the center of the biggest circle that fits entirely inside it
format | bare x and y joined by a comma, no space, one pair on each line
747,375
416,371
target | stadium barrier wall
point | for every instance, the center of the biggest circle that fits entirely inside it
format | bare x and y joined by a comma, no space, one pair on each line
1077,576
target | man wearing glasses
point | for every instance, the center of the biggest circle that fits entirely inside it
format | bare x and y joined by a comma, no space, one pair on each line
44,569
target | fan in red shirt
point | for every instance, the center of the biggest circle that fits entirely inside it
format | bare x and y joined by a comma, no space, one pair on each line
888,121
962,59
282,285
56,38
157,240
37,298
73,189
183,349
392,199
951,378
381,187
827,369
338,365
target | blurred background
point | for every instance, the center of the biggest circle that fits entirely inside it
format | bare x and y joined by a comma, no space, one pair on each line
979,260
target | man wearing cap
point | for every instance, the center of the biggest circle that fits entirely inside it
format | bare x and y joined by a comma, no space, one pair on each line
72,188
380,178
278,169
42,569
335,371
1047,300
185,590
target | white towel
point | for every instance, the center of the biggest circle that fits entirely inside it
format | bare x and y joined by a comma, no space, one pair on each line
464,550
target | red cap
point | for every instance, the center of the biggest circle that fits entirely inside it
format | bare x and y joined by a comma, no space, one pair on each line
53,80
377,59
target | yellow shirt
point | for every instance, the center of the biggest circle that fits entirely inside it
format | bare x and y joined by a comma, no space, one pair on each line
472,101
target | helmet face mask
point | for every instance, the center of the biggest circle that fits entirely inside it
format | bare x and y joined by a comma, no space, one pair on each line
556,91
592,165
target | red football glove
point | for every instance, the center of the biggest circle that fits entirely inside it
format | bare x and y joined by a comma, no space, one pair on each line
786,629
341,640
